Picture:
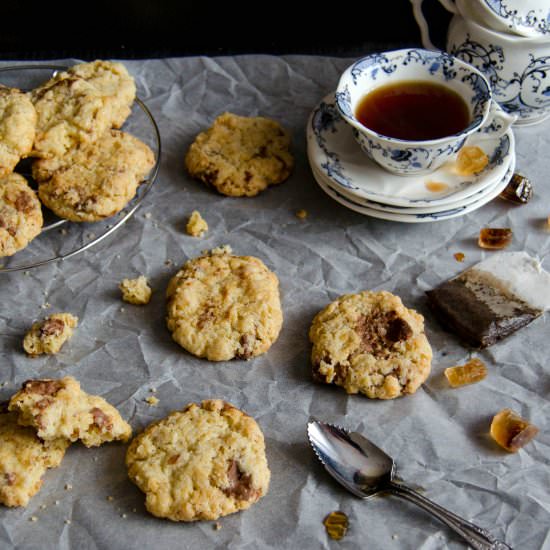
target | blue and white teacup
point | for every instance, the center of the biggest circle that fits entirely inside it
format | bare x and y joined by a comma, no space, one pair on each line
406,157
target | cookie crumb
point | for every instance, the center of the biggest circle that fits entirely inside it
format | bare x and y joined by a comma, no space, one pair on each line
46,305
134,510
153,390
394,537
63,231
301,214
196,225
56,502
148,215
90,236
33,518
222,249
49,335
110,498
136,291
152,400
68,521
43,506
168,262
68,487
217,526
123,516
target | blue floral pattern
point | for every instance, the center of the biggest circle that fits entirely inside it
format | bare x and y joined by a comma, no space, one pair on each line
524,94
530,20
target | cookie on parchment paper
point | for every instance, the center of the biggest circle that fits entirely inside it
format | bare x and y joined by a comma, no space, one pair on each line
221,306
241,156
370,343
17,127
24,458
20,214
49,334
201,463
94,181
59,408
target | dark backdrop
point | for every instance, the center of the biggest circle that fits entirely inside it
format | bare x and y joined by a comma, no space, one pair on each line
148,28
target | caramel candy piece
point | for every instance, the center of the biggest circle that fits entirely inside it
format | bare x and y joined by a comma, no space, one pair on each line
511,431
471,160
459,256
519,190
336,525
470,373
495,238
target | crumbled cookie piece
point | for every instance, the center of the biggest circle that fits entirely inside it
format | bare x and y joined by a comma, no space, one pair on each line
136,291
152,401
49,335
301,214
370,343
196,226
200,463
17,127
24,458
58,408
224,307
20,214
241,156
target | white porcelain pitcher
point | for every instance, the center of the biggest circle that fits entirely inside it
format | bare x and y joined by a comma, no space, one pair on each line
530,18
517,67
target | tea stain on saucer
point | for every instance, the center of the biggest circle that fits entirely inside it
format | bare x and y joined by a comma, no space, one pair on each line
436,186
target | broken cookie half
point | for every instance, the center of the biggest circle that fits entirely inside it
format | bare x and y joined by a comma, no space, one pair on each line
58,408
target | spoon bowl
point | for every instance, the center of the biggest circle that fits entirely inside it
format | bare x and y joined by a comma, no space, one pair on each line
366,471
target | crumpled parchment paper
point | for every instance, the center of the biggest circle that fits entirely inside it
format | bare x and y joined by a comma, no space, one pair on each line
439,436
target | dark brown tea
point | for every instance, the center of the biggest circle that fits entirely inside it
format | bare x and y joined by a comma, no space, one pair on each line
414,110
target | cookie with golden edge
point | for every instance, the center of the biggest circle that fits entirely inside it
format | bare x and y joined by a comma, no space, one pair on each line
78,105
221,306
20,214
24,459
370,343
94,181
201,463
241,156
59,408
17,127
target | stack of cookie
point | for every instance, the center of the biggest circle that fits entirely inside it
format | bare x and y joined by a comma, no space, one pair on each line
86,168
37,426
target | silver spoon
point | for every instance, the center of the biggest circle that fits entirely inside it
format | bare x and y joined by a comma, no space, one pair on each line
365,470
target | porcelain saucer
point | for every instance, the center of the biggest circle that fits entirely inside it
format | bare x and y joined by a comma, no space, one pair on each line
333,150
359,201
416,217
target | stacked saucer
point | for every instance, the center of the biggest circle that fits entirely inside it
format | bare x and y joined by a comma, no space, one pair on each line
347,175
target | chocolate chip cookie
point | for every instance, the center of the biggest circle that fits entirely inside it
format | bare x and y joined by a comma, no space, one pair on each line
17,127
58,408
94,181
370,343
24,458
222,307
241,156
20,214
200,463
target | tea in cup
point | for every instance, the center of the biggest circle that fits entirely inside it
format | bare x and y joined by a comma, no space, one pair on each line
413,109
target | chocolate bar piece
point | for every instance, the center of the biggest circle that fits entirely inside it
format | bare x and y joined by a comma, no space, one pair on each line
492,299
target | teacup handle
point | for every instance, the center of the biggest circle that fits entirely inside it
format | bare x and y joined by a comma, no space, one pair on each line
449,5
497,124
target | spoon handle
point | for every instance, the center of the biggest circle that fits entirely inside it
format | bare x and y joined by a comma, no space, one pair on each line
477,537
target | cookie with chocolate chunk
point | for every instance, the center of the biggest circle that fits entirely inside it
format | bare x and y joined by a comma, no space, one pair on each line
20,214
17,127
200,463
59,408
370,343
49,334
94,181
241,156
24,459
222,307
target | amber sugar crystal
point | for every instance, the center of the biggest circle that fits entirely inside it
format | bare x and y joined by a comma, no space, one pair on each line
471,160
336,525
519,190
511,431
494,238
470,373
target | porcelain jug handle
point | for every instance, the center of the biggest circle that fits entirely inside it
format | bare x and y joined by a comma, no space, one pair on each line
449,5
